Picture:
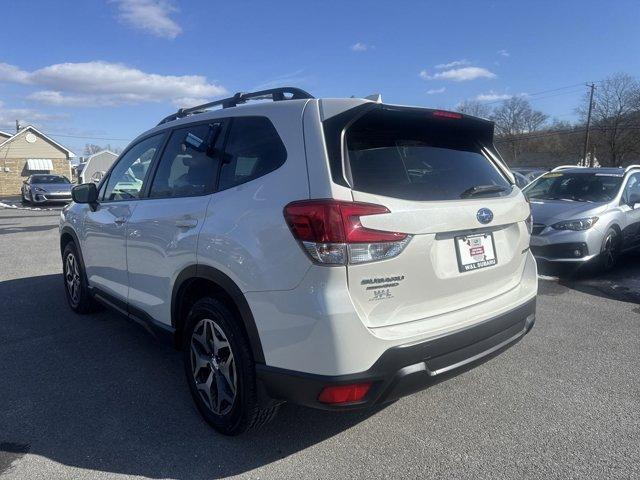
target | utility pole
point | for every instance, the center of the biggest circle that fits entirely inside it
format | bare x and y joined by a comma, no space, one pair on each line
17,126
586,136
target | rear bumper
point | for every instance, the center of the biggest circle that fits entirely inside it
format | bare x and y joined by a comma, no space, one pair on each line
405,369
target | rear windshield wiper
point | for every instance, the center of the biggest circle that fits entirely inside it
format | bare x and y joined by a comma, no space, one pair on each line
480,189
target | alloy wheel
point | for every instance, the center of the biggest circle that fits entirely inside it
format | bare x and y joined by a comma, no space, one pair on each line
213,367
72,278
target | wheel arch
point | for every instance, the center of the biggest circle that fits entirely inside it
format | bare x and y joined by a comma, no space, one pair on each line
614,225
193,283
68,234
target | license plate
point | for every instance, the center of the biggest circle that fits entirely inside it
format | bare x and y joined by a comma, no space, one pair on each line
475,251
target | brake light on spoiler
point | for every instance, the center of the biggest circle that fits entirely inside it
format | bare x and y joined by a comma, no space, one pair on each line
445,114
331,233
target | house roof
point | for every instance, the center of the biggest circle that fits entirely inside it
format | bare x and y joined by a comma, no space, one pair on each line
5,134
34,129
99,153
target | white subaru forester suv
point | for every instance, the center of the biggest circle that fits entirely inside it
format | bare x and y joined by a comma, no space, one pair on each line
335,253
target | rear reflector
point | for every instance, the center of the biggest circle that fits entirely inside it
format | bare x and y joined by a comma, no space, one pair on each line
445,114
338,394
331,232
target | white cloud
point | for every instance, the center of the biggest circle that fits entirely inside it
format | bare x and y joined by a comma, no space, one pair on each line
103,84
13,74
25,116
459,74
186,102
503,53
152,16
492,96
455,63
290,79
361,47
435,91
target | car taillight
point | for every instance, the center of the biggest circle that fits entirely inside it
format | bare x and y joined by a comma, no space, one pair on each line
339,394
331,232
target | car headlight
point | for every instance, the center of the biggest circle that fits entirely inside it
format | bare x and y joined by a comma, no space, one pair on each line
577,225
40,190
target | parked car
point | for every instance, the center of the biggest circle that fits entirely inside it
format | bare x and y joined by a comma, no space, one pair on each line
43,188
529,174
97,176
585,214
335,253
521,180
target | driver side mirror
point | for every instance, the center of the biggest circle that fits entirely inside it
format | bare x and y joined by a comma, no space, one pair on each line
85,193
634,199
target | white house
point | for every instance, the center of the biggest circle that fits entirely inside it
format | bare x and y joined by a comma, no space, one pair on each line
96,165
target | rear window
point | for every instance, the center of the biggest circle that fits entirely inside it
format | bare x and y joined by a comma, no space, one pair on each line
416,156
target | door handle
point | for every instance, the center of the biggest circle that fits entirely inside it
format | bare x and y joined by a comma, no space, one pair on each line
120,220
186,223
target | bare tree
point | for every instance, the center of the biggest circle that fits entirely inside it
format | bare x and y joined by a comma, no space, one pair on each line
90,149
514,118
474,108
615,117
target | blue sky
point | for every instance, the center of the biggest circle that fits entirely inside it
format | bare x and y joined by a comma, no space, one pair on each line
109,69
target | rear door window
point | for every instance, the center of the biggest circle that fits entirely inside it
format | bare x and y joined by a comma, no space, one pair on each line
189,164
416,158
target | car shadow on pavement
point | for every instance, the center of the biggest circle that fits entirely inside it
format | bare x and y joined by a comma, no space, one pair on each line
12,228
97,392
621,283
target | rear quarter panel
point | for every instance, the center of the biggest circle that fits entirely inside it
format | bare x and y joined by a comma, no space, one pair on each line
244,234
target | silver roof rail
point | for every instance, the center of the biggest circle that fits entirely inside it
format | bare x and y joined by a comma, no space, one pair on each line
631,167
564,167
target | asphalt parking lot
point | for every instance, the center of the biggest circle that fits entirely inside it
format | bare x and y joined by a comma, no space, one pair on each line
97,397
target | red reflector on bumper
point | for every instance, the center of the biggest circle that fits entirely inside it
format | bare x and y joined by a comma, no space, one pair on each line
344,393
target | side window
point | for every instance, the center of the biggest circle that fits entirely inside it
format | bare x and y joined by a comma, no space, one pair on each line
253,150
632,186
188,166
126,178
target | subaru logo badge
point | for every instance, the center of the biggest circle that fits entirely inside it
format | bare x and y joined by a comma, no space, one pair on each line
484,215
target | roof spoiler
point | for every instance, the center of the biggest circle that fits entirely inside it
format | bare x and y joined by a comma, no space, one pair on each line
275,94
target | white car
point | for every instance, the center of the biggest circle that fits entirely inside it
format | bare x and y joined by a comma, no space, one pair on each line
335,253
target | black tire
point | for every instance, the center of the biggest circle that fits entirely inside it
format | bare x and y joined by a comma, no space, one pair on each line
609,251
23,199
79,299
244,412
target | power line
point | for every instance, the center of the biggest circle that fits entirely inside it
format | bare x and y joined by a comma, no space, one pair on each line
87,138
535,94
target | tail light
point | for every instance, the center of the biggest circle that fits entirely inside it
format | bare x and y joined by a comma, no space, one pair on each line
331,233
